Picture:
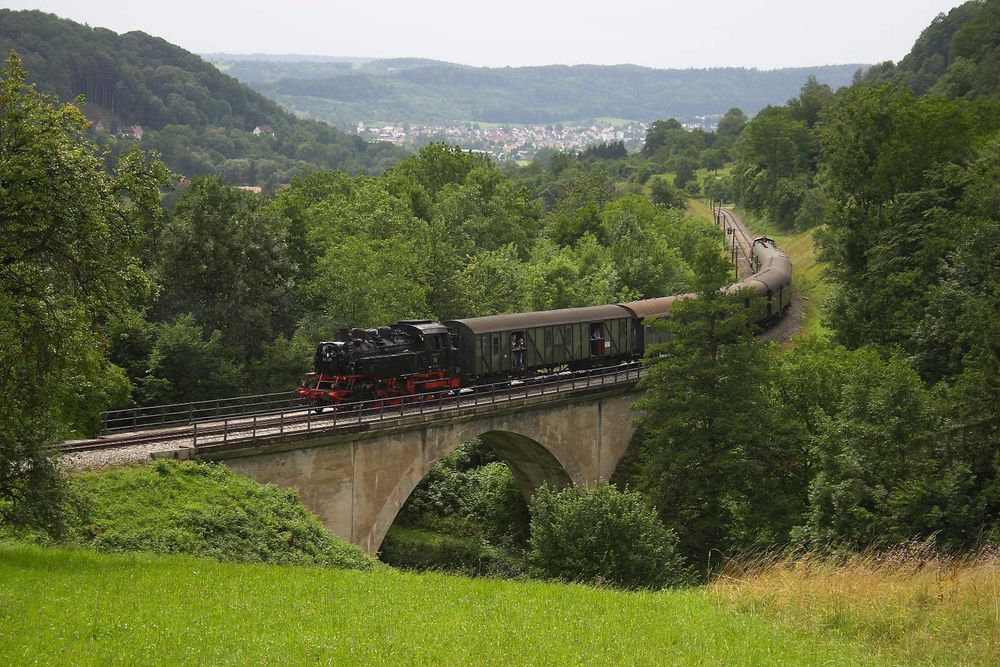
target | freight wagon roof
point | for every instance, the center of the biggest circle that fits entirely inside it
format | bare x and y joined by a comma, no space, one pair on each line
544,318
655,307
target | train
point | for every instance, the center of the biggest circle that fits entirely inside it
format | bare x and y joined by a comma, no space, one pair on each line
415,360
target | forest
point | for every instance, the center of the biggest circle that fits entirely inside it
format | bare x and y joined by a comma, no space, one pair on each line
420,91
882,429
198,119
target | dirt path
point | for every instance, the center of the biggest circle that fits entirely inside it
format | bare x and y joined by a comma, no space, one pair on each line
785,328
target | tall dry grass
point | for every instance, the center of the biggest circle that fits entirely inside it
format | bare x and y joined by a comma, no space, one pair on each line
910,604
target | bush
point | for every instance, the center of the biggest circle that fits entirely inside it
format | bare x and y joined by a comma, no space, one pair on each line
665,194
476,492
434,549
205,510
603,536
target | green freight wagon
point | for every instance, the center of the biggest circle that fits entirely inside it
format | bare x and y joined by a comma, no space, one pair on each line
524,343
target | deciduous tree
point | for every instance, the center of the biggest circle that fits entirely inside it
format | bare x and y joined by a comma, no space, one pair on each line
68,238
710,457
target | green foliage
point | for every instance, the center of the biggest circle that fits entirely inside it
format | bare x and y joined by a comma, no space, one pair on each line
649,265
222,258
664,134
70,235
198,118
889,166
363,282
183,366
420,178
446,93
413,548
470,494
710,458
881,458
957,55
773,171
487,212
204,510
813,99
613,150
730,126
601,536
574,199
552,280
874,460
491,283
683,168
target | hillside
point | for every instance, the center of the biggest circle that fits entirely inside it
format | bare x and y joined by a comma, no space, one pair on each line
957,55
422,91
199,118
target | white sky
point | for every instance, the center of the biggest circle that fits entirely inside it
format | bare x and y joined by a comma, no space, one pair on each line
693,33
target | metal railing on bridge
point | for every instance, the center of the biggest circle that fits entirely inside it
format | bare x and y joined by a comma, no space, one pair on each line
180,414
248,428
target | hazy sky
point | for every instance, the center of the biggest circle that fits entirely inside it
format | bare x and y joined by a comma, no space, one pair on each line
693,33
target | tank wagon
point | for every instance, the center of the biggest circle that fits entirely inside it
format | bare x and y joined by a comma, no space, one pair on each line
424,358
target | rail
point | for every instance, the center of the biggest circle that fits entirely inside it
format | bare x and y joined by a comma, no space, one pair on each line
727,221
249,428
178,414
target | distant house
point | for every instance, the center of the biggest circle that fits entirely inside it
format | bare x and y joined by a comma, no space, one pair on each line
131,132
98,126
256,189
263,130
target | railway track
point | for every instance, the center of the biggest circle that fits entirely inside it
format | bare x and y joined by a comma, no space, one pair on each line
305,419
741,245
220,428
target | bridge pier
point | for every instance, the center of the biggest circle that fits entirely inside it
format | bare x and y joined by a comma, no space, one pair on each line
356,482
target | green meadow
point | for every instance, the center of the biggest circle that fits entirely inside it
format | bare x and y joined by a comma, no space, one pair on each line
80,607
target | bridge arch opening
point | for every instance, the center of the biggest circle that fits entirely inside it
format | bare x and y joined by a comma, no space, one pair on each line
469,505
531,464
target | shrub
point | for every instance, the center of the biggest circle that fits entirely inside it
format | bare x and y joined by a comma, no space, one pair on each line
205,510
474,490
604,536
665,194
430,549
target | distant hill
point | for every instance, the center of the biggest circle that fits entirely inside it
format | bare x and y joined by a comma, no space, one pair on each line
957,55
200,119
282,57
423,91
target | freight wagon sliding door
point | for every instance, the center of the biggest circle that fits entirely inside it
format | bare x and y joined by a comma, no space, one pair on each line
496,352
564,344
490,353
616,337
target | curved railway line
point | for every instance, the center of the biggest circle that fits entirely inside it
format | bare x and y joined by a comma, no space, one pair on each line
739,242
232,421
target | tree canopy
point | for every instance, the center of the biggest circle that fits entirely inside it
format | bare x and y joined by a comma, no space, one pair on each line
68,267
200,119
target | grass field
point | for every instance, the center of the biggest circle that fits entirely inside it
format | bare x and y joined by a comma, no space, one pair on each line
80,607
908,605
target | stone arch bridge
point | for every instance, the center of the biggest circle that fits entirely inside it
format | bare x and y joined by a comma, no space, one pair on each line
356,479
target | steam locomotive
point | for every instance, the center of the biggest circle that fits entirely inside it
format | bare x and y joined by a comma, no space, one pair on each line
417,359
